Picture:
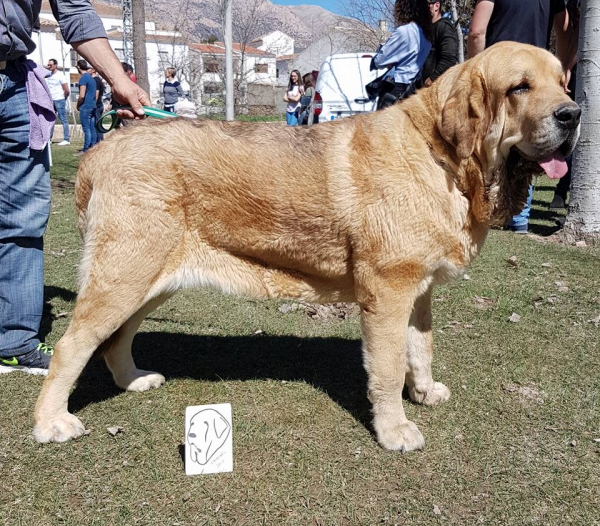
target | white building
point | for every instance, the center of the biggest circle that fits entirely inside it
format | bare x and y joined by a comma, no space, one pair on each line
163,48
255,75
276,42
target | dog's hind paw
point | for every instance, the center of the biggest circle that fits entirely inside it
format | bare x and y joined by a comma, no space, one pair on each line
141,381
400,437
58,429
437,394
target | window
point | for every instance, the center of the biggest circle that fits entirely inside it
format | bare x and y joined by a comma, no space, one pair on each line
163,58
211,67
261,68
74,57
120,52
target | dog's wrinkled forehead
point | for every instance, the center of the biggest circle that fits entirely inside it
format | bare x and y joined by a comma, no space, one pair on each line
508,64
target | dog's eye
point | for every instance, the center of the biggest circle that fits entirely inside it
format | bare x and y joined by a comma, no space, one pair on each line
521,88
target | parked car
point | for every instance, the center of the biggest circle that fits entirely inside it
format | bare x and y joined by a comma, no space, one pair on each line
340,88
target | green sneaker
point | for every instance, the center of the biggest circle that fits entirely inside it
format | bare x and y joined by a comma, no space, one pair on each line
33,362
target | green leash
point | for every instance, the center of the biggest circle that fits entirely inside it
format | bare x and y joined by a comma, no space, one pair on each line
104,127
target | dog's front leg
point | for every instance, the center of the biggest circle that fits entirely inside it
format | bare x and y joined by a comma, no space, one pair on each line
421,387
385,313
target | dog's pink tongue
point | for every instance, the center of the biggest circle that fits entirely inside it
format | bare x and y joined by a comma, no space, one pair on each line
554,165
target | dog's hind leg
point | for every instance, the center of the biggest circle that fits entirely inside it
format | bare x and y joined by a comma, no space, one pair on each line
114,288
421,387
117,352
95,318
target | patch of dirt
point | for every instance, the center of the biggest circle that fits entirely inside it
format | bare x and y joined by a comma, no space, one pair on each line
325,312
62,185
526,393
483,303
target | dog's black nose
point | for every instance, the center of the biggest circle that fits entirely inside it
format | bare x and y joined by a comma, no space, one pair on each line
569,115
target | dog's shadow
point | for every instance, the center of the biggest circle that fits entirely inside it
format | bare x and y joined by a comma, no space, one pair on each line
333,365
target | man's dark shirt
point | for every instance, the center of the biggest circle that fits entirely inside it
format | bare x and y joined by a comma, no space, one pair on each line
525,21
100,89
444,50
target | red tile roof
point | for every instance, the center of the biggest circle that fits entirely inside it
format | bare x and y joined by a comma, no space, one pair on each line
106,10
218,48
162,39
287,57
44,22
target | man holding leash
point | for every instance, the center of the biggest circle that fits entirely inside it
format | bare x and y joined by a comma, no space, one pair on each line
26,119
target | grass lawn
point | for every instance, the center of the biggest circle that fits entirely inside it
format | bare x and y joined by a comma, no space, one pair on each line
516,444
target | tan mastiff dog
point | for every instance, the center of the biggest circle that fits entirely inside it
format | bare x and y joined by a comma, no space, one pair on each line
376,209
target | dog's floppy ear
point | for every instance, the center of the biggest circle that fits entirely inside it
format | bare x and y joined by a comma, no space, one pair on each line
466,114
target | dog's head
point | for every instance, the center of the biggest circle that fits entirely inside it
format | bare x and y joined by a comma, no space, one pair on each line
506,111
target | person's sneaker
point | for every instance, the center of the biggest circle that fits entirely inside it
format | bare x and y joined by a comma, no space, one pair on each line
33,362
518,229
558,201
63,143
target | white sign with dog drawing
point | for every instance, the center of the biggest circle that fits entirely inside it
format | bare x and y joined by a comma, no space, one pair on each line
208,439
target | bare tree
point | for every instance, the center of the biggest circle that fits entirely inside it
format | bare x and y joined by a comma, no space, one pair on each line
583,218
139,44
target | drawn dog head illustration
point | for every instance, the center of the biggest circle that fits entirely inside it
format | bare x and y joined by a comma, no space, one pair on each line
207,433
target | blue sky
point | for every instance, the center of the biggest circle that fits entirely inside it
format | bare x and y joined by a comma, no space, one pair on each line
331,5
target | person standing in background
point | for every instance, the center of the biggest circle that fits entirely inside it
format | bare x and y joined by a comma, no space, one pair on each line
86,104
26,118
527,22
99,102
306,101
59,91
172,90
128,69
292,96
444,45
405,52
559,199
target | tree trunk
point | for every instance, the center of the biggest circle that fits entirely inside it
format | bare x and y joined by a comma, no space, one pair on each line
583,218
139,44
461,38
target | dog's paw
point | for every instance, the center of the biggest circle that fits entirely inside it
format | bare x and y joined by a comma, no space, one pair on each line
58,429
437,394
141,381
403,437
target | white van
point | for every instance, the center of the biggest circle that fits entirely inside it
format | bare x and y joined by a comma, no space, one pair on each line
340,90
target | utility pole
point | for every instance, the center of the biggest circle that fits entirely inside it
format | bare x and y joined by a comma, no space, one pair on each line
139,44
228,36
127,31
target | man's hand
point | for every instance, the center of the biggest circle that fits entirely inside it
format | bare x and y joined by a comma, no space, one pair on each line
428,82
127,92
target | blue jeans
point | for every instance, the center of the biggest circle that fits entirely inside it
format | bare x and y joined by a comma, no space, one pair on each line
24,211
98,118
522,219
291,118
60,107
87,114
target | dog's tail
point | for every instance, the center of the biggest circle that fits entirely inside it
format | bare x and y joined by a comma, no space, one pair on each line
83,193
